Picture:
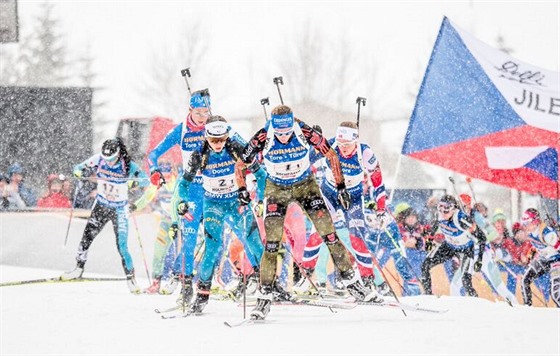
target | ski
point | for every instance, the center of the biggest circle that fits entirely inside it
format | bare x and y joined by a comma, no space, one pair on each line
180,315
405,306
59,280
167,310
324,303
246,322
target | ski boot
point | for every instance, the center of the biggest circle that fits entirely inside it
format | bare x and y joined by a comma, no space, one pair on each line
264,300
338,286
73,274
154,288
186,292
171,285
279,293
357,289
132,284
302,285
201,299
384,289
252,282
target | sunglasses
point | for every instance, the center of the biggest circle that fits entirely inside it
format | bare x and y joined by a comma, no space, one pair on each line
281,134
215,140
110,159
165,168
346,144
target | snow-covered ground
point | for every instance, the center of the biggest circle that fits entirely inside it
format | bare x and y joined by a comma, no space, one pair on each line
104,318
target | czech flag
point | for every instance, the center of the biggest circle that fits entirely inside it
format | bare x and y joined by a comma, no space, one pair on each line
485,114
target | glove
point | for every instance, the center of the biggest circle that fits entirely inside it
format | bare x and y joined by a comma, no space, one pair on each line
243,196
429,244
259,209
78,173
182,208
343,197
371,205
173,231
157,178
383,218
132,184
318,129
132,207
478,265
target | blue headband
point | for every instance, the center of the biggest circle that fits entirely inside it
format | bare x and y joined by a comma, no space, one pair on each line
284,121
198,101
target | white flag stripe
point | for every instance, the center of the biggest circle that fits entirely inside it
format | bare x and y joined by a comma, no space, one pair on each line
533,92
508,157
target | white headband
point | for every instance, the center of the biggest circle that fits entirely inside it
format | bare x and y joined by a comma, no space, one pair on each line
216,129
346,133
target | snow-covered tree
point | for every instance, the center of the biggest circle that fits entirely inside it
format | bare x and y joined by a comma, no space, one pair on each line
43,54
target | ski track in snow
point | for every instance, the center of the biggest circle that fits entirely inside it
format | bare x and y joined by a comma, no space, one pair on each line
104,318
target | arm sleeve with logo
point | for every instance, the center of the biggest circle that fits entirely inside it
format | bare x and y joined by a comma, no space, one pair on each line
321,144
172,138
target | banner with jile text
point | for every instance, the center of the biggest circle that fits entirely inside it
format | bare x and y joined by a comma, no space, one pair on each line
485,114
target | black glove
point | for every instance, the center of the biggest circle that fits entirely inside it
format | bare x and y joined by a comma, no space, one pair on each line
182,208
318,129
243,196
383,218
371,205
478,265
343,196
173,231
429,244
132,207
259,209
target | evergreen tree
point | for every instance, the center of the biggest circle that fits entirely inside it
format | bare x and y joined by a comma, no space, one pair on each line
43,54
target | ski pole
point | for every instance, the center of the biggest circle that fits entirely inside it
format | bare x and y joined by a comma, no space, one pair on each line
206,97
265,101
186,73
469,183
374,259
78,187
549,217
244,285
304,274
277,81
141,247
360,101
403,255
457,194
514,275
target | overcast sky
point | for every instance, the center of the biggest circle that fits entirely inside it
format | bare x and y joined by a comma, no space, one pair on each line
244,37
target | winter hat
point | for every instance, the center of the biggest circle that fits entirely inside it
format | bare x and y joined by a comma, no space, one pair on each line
516,227
282,122
466,199
216,126
200,99
530,215
401,207
498,215
54,178
15,169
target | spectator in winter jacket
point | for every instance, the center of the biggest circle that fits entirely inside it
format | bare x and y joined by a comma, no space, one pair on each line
54,198
16,176
10,199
